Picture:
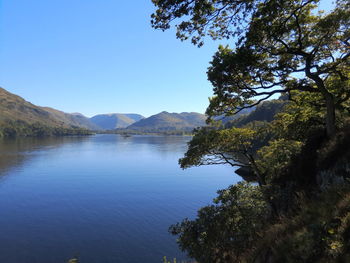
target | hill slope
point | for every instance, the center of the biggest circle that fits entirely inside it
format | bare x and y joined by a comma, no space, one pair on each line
166,121
14,108
115,120
266,111
72,119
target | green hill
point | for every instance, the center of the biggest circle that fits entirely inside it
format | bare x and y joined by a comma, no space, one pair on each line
266,111
166,121
20,117
71,119
15,108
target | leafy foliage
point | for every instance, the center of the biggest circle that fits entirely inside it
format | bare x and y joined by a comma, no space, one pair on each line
318,232
218,19
300,118
216,233
234,146
275,158
212,146
282,47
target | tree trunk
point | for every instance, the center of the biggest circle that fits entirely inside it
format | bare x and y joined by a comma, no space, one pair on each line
330,107
330,115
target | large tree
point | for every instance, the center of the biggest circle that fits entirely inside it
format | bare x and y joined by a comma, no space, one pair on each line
280,46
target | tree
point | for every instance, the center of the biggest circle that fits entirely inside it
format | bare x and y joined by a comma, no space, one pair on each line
223,231
281,46
234,146
275,158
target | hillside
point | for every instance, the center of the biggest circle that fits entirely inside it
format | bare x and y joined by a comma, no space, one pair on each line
14,108
72,119
266,111
114,120
19,114
166,121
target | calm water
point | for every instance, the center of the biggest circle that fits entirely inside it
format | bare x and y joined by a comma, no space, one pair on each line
105,198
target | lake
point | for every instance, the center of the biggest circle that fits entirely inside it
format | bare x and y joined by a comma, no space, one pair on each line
104,198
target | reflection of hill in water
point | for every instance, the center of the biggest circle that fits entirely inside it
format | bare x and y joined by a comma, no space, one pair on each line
13,152
163,144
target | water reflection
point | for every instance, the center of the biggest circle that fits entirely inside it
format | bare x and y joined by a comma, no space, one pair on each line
15,151
106,197
163,144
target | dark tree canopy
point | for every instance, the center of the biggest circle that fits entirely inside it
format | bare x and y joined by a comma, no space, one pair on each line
242,200
280,46
218,19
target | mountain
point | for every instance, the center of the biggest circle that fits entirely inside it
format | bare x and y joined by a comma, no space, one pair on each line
13,108
72,119
226,119
166,121
114,120
21,115
266,111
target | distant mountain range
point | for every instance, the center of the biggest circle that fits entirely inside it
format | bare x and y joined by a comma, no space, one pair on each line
115,120
14,108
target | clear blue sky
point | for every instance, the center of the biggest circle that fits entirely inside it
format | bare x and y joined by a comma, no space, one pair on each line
99,56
